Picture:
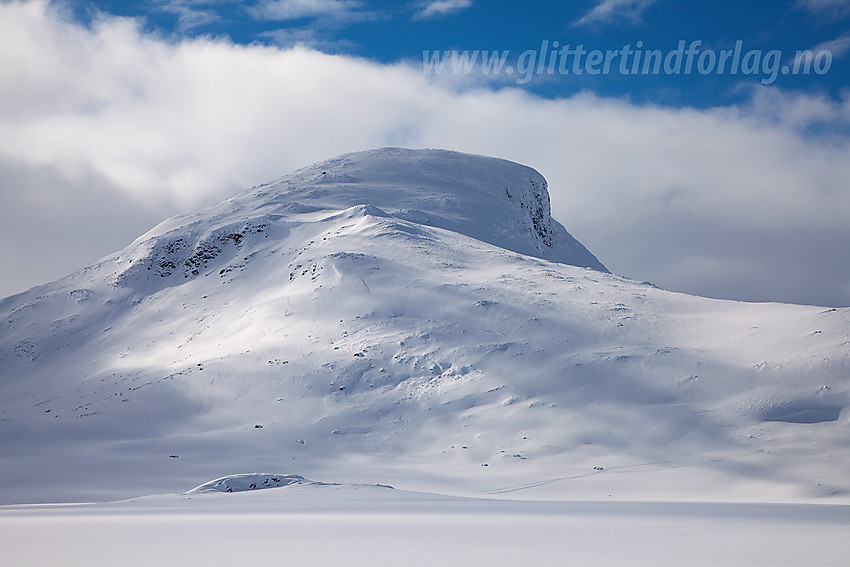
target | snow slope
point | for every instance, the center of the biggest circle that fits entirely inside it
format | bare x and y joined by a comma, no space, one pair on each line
412,318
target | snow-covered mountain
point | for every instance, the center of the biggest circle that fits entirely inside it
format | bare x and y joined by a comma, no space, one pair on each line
413,318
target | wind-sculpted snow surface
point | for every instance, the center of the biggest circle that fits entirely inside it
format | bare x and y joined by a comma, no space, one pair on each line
413,318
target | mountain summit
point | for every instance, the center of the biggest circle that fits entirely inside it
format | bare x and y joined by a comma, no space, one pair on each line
413,318
492,200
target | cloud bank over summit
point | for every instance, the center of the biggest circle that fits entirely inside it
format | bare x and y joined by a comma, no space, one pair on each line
109,128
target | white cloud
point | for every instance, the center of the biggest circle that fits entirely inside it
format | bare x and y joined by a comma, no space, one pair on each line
190,13
322,18
439,8
606,11
799,112
310,37
826,8
814,57
106,130
283,10
838,46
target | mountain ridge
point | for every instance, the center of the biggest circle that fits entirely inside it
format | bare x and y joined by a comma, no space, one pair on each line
340,340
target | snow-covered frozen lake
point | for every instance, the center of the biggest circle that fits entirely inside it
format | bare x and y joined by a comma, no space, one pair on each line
351,525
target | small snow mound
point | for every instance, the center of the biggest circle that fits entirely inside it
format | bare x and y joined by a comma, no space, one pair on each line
249,481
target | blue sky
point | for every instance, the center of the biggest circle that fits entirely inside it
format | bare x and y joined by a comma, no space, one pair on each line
389,32
116,115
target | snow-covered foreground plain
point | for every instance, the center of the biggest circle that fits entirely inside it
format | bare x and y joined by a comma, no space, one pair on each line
415,319
375,526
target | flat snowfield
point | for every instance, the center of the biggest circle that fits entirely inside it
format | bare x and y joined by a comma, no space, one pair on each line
334,525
